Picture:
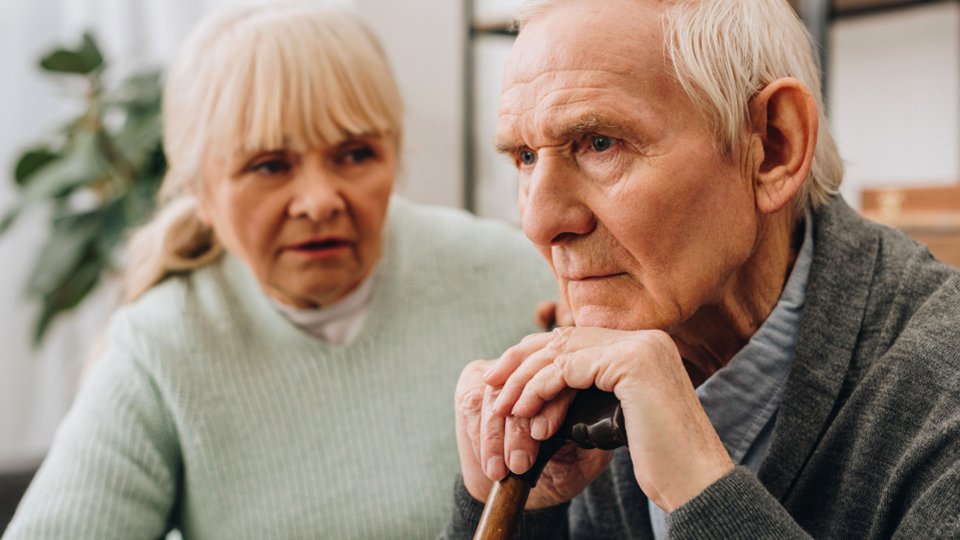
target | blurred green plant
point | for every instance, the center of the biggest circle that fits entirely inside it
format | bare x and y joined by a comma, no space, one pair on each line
98,173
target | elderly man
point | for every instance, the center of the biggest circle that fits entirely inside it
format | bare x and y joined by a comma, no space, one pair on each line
786,369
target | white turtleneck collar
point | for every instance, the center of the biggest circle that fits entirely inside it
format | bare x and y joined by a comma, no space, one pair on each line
338,323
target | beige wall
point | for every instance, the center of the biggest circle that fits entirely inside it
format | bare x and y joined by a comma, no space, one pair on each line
424,40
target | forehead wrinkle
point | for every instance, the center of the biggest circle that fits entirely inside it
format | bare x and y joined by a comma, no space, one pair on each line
530,96
563,120
555,71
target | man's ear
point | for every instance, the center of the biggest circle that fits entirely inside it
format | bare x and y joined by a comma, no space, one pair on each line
784,121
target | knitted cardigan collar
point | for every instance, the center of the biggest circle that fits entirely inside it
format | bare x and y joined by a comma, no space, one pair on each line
844,261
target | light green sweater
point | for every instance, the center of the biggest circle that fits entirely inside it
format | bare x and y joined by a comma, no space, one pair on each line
211,413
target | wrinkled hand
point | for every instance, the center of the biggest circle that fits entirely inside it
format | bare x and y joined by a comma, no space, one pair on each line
675,451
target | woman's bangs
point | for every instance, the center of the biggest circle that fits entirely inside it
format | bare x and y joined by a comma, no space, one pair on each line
300,96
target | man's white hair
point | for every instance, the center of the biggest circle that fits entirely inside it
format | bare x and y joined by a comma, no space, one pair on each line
723,52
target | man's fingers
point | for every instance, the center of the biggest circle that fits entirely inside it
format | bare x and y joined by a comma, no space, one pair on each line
546,423
491,438
514,356
515,384
469,405
578,369
520,450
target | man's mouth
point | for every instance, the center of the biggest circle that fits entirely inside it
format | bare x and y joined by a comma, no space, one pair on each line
593,277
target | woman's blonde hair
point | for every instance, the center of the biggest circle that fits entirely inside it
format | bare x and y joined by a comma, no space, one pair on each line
723,52
266,75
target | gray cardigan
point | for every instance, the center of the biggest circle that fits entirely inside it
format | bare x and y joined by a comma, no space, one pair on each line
867,439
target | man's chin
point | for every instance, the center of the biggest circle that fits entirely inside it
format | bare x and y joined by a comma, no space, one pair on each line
604,316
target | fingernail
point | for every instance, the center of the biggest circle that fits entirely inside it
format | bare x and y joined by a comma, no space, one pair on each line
538,428
495,466
497,403
519,461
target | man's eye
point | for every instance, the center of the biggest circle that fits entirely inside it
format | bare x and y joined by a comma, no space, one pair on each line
600,143
527,156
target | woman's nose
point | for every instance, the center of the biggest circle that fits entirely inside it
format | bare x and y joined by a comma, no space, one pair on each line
552,209
316,195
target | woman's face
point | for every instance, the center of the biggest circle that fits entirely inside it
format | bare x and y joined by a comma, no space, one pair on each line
307,223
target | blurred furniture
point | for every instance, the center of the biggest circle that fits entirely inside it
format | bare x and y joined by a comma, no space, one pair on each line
930,215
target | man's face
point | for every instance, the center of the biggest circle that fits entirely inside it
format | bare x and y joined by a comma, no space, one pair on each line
622,187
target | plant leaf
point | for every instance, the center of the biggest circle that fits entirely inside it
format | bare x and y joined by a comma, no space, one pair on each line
115,226
138,137
80,165
72,236
140,91
67,296
90,51
81,61
31,161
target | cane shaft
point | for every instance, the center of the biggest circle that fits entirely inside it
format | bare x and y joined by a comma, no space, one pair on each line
502,511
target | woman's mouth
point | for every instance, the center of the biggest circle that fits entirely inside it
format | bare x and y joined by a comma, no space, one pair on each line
320,247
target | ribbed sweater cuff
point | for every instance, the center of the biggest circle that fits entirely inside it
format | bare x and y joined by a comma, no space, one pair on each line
466,509
736,506
548,523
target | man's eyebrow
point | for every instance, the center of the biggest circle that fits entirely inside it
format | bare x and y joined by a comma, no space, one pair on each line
507,148
582,125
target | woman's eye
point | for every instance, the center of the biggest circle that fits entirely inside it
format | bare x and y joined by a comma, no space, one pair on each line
527,156
358,154
600,143
270,167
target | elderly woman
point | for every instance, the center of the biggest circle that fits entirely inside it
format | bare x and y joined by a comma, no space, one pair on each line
285,365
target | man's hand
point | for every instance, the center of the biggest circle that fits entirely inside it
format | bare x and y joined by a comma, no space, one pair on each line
675,451
480,439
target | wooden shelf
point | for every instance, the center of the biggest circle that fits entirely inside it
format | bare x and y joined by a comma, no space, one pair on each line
930,215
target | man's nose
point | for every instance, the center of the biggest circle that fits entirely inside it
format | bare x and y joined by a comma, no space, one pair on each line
316,195
552,207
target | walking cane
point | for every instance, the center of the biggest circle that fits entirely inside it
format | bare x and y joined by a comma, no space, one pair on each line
594,420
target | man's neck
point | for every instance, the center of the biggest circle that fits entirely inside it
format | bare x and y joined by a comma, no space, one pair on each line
716,332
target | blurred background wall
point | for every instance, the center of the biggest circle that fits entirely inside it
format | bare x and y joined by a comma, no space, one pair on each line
893,94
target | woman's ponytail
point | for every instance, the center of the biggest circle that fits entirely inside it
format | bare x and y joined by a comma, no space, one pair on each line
175,240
